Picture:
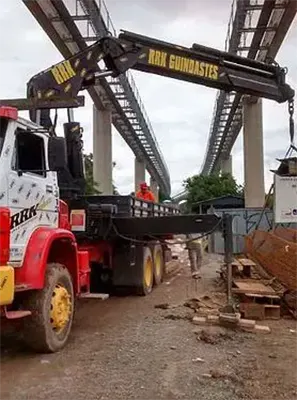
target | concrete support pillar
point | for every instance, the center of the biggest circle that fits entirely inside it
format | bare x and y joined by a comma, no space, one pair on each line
254,186
102,150
139,174
226,165
154,188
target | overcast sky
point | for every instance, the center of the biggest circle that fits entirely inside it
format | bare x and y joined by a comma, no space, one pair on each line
180,112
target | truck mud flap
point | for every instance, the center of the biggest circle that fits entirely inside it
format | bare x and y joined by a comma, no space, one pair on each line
127,265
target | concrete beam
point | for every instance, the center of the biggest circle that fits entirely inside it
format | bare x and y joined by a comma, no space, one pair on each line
154,188
226,165
102,150
139,173
254,185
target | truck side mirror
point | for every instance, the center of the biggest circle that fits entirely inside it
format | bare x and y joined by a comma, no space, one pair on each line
57,153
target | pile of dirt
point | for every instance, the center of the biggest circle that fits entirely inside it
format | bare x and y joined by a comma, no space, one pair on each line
214,334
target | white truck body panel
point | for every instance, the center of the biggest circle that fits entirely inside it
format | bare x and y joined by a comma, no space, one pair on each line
33,199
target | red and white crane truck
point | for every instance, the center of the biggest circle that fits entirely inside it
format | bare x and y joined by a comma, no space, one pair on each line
58,244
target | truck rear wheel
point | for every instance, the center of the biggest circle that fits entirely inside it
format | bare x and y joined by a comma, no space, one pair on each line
147,272
158,264
49,326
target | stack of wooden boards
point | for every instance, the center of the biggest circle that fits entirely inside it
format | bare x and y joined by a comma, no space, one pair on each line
258,300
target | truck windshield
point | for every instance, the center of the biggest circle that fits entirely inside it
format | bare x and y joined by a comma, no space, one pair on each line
3,127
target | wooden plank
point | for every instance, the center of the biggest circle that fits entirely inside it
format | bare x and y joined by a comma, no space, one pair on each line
246,262
272,311
247,270
234,270
269,296
251,286
249,283
241,291
260,311
253,311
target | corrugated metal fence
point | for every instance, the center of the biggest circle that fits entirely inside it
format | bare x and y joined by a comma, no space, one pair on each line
245,221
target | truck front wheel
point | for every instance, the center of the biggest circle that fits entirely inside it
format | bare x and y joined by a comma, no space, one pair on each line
49,326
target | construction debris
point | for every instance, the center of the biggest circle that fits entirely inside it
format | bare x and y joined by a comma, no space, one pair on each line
259,299
198,359
231,321
199,320
206,337
163,306
213,319
252,310
198,304
194,304
176,317
275,252
262,329
218,373
251,286
206,375
260,311
247,324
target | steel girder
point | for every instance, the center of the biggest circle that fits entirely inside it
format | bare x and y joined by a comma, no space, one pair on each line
265,39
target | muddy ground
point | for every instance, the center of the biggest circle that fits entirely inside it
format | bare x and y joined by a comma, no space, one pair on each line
125,348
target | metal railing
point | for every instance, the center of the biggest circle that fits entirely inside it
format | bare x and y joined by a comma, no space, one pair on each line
245,37
128,85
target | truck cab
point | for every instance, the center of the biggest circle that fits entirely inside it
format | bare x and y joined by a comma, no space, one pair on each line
27,187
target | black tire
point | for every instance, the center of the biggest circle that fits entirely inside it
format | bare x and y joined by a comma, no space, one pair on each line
159,264
39,331
147,272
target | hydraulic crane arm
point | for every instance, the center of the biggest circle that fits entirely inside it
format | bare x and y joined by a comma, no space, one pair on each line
199,64
67,78
210,67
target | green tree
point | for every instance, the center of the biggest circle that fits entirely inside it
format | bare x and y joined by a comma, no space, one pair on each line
200,187
92,187
162,197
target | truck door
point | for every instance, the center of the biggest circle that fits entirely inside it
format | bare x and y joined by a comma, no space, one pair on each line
4,161
32,190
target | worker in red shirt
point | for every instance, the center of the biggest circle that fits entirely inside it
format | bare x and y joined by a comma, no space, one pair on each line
144,193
